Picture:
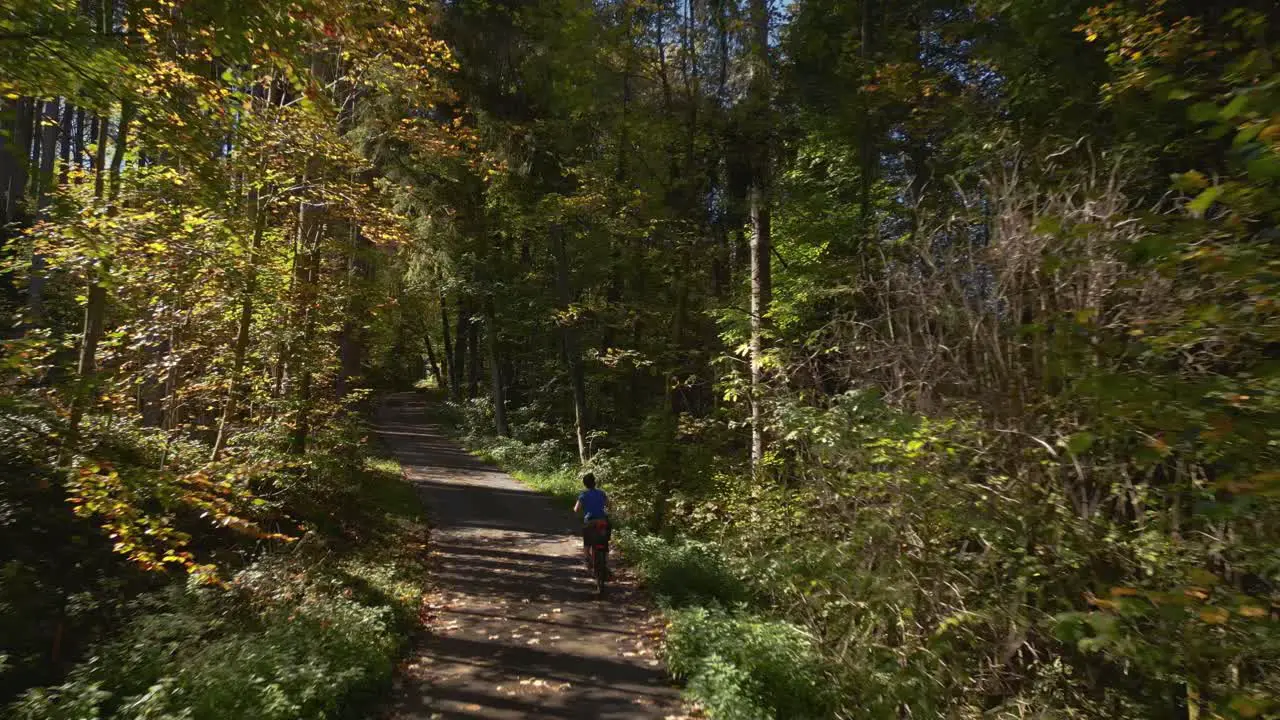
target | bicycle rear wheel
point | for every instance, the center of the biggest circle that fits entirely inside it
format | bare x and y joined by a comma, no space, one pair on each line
600,568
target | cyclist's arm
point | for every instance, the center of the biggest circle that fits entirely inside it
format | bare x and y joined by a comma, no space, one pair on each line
577,507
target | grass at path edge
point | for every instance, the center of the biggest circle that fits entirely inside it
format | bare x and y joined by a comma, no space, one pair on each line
738,660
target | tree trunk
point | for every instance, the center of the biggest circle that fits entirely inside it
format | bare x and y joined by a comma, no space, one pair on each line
68,115
21,155
310,224
569,344
450,363
96,302
624,128
101,130
95,128
117,157
473,360
495,370
37,131
351,338
238,390
460,346
305,278
286,343
510,381
866,148
350,358
171,417
761,246
431,361
9,156
78,150
760,297
578,380
48,150
48,142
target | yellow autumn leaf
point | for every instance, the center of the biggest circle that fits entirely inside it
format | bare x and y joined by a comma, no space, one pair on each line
1215,615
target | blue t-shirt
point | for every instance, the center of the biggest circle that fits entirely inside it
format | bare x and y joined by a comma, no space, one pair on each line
592,503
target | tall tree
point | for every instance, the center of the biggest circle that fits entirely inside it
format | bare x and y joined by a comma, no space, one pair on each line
570,346
451,382
761,130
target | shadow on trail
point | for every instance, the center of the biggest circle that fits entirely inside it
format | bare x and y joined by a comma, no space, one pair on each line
548,685
481,553
430,447
548,623
516,629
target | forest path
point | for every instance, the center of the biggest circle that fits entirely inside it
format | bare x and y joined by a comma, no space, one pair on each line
514,628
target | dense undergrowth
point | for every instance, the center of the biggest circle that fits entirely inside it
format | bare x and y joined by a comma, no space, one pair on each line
872,590
281,629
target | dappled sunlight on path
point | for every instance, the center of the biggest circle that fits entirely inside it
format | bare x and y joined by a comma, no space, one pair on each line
515,630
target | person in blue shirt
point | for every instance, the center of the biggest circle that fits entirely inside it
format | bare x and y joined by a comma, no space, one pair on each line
592,502
594,505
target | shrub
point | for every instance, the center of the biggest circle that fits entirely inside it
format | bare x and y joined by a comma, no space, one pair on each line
684,571
545,465
745,667
279,644
310,634
474,417
544,457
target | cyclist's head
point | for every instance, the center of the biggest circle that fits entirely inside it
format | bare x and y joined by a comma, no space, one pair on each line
589,481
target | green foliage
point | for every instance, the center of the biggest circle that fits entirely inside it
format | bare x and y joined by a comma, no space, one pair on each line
683,572
280,643
533,455
312,633
545,459
564,485
474,418
744,667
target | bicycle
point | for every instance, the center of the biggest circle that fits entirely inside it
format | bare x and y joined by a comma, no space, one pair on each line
596,544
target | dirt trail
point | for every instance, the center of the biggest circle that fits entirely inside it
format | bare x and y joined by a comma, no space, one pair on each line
515,629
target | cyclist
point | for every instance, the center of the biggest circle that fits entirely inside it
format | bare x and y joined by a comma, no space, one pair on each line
593,503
